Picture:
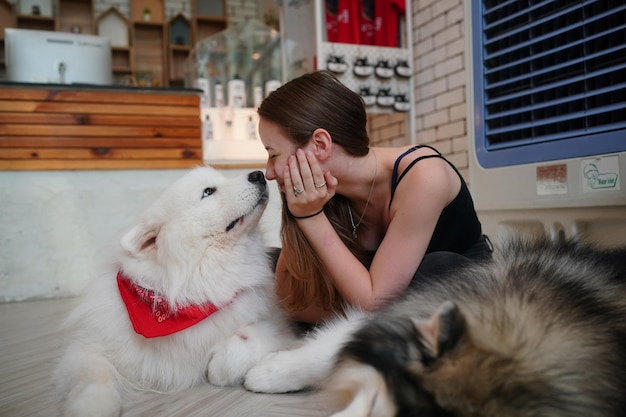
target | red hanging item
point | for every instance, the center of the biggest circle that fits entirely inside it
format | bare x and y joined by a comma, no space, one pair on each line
152,316
388,13
330,12
367,17
348,22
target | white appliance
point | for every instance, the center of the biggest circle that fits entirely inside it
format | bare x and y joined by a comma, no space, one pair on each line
546,92
34,56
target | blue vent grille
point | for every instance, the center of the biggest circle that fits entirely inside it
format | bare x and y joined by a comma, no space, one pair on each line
550,79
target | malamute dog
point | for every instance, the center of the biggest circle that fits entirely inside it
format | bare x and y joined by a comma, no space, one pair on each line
538,331
189,300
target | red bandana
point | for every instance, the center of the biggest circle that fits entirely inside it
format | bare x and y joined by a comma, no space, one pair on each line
151,314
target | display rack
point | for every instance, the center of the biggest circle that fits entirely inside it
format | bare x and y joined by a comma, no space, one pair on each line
388,85
391,94
76,16
143,50
179,29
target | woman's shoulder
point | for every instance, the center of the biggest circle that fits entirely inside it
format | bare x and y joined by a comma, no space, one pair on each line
422,169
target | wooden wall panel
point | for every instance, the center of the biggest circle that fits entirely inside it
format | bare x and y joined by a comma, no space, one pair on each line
56,128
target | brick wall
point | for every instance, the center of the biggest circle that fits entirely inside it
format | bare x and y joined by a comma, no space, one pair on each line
439,66
439,99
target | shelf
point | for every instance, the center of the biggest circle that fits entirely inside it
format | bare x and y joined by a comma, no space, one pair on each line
121,60
113,25
26,21
149,52
179,29
76,16
205,26
7,18
177,58
156,7
216,8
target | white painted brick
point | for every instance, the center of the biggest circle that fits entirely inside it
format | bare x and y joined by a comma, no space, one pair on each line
456,79
455,15
451,130
449,66
425,106
450,98
455,47
447,35
460,144
436,119
432,27
431,89
425,136
458,112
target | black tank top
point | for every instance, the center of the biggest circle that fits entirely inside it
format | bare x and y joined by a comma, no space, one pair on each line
458,227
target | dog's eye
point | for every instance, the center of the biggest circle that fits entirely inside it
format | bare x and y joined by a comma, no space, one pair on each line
207,192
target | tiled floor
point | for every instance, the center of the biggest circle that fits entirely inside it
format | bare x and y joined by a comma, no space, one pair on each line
30,343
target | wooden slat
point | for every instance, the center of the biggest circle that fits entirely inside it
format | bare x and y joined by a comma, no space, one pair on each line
50,107
96,142
58,128
7,165
97,119
99,153
101,131
131,97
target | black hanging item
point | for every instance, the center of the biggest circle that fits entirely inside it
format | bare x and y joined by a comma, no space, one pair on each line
383,70
362,68
402,69
336,64
368,96
401,103
384,97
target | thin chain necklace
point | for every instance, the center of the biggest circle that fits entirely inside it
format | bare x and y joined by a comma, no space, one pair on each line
356,226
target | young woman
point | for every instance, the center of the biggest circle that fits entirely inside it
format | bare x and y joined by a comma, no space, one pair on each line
358,221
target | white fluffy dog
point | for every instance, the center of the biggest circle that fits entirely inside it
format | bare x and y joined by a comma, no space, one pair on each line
189,300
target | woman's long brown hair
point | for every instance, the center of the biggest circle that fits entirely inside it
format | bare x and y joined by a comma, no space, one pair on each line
311,101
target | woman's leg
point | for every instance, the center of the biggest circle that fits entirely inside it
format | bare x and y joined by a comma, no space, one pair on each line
438,265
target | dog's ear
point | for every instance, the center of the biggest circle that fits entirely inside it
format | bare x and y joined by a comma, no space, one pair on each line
443,330
141,239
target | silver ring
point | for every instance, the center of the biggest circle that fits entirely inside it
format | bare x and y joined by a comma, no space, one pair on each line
321,185
297,191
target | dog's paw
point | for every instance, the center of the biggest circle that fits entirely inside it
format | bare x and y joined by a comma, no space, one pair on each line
277,372
222,372
230,361
93,400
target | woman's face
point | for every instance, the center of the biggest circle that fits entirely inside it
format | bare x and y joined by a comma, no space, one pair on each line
279,147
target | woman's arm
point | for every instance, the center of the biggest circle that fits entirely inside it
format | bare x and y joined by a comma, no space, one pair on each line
425,191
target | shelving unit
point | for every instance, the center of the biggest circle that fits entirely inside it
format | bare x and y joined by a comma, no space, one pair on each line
7,20
152,49
205,26
156,8
122,60
113,25
179,29
209,18
36,7
75,16
35,22
149,40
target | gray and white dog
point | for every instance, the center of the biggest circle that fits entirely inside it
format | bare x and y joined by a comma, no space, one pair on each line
538,331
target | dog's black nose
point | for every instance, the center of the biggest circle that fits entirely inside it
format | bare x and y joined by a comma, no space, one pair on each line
256,177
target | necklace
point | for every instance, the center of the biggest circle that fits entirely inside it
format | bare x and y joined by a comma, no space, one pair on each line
356,226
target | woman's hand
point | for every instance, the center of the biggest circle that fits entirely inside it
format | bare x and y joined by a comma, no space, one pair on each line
307,187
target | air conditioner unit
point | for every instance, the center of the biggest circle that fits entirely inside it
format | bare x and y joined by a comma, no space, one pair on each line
546,92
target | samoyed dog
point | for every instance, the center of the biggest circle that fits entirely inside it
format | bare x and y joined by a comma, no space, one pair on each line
189,299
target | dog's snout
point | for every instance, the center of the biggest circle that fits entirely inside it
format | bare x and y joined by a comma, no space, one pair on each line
256,177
